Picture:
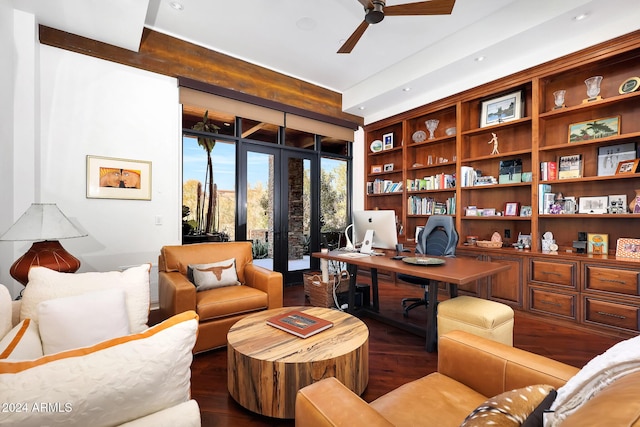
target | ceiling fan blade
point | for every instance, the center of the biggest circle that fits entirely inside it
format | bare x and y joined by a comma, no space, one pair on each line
348,46
366,3
433,7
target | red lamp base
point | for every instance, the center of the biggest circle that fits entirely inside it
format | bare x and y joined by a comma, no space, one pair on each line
48,254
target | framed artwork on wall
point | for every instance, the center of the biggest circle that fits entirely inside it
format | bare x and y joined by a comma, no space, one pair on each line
113,178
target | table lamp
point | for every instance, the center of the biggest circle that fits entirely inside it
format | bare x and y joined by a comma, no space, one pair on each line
46,224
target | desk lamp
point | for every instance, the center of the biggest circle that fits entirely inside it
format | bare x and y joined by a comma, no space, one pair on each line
45,223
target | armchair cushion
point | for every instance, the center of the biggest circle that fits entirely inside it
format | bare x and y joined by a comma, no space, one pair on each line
110,383
22,342
213,275
45,284
82,320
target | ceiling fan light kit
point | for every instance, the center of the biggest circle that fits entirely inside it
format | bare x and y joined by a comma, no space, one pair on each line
375,12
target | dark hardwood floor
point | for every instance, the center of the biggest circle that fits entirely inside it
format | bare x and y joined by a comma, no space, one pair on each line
395,356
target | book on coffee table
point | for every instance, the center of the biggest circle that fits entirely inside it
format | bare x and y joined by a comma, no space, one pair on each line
299,323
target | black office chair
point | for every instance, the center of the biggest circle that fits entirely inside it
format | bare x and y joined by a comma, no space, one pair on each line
438,237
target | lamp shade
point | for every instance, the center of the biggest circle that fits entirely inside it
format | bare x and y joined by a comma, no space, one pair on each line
42,221
45,224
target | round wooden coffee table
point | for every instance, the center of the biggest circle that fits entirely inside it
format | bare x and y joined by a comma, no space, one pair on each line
267,366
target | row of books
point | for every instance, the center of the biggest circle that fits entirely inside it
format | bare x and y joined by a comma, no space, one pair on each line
383,186
417,205
548,171
435,182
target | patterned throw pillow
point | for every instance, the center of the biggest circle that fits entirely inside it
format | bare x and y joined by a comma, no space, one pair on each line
509,409
214,275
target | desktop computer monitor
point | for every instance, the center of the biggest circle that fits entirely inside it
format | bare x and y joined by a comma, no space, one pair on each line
383,224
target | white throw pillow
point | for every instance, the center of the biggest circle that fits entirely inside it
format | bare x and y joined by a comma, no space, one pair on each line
620,360
82,320
215,274
110,383
45,284
22,342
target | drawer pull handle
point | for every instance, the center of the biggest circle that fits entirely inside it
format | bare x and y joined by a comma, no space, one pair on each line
614,281
552,273
555,304
617,316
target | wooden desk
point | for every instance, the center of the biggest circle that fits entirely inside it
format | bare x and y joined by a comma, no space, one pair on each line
266,366
455,271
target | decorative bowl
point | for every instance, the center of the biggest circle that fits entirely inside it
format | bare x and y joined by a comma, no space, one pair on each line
450,131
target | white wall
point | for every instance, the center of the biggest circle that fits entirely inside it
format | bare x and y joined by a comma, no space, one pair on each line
87,106
6,133
95,107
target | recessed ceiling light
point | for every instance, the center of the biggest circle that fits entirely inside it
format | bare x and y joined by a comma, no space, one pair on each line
580,17
362,107
176,5
406,89
479,59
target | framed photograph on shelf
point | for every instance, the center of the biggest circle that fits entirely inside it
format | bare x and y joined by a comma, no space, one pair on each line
376,168
112,178
597,243
570,166
387,141
502,109
627,167
594,129
593,205
610,156
525,211
618,204
512,209
628,248
388,167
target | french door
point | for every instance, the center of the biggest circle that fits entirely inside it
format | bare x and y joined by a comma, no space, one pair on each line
280,192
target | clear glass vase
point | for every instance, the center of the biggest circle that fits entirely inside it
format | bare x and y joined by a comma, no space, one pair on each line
593,86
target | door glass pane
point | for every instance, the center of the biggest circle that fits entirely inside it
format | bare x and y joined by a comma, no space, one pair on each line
207,218
299,211
333,201
260,190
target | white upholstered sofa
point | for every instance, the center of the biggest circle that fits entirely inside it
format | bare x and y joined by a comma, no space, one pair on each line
141,378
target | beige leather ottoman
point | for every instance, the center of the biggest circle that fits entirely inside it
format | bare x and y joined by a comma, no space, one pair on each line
477,316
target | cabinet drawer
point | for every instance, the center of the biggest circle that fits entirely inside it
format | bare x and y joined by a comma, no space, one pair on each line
553,303
612,280
555,273
611,313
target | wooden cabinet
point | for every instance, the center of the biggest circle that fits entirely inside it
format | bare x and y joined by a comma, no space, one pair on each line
584,288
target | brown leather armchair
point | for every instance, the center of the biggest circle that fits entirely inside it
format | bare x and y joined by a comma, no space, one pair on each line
218,309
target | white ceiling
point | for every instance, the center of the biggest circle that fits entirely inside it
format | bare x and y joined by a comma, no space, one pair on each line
435,56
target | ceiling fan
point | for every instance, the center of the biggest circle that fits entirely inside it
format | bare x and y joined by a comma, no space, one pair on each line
375,11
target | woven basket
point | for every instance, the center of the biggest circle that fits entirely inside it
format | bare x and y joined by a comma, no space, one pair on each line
488,244
320,293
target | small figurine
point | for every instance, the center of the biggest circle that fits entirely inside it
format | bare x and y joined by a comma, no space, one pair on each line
494,140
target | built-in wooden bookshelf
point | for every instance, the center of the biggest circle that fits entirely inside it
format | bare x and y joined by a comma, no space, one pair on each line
558,283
